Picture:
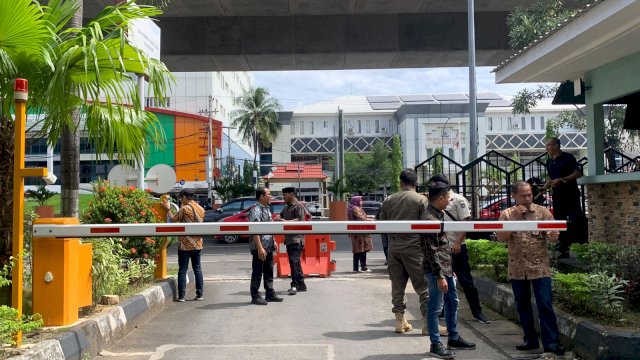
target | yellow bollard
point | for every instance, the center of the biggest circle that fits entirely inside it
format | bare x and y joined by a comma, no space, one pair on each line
161,257
61,276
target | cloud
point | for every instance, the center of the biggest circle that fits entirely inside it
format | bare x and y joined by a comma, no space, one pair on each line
297,88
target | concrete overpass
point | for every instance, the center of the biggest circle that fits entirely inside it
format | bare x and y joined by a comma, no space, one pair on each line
254,35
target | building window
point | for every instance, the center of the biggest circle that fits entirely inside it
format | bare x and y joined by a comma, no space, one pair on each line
524,123
429,153
368,126
293,128
452,153
390,126
156,102
490,124
301,127
312,123
533,123
377,127
359,126
463,155
542,124
326,124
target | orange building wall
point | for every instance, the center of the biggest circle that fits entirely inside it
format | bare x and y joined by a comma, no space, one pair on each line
190,149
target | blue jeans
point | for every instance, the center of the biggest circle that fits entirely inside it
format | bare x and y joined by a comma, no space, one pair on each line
183,265
548,326
434,306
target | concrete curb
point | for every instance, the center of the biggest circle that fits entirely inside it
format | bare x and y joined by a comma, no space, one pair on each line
589,340
94,334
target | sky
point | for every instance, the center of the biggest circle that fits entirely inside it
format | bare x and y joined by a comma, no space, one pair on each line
294,89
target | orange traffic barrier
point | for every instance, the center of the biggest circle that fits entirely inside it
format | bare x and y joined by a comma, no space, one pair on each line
61,276
315,260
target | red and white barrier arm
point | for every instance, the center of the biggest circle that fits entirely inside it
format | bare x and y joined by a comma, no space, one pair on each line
307,227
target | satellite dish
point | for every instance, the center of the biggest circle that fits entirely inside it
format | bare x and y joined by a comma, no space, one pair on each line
122,175
160,178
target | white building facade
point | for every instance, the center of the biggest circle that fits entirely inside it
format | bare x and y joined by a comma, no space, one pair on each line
524,135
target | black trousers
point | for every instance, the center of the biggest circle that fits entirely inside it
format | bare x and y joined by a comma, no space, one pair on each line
360,258
260,269
460,265
297,276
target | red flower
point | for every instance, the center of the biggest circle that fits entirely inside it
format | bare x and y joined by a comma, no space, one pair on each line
102,188
132,187
145,255
107,220
147,190
143,213
133,250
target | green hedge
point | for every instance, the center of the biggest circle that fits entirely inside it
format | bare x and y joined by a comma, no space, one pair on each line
489,257
621,261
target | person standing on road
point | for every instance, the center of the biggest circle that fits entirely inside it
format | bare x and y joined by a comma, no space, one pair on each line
458,210
189,247
405,254
529,266
262,248
562,172
293,211
438,273
360,243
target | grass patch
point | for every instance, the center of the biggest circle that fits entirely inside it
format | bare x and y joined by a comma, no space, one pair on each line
31,204
172,269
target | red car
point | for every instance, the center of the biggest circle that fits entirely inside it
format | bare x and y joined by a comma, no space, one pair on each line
493,210
243,216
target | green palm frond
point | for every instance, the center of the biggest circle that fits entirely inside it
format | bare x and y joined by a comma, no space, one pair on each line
22,29
257,117
122,131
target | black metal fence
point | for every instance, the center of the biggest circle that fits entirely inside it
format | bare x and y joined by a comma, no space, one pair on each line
485,181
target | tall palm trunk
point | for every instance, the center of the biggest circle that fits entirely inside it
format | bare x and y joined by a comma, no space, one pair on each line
70,166
70,149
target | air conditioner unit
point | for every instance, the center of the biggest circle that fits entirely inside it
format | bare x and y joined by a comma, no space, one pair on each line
515,126
383,130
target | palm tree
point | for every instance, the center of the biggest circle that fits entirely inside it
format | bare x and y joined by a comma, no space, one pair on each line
80,77
257,118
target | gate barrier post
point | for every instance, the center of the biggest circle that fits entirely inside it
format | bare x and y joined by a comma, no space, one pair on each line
62,281
160,272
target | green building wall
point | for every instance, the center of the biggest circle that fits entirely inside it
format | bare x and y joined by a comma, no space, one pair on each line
157,155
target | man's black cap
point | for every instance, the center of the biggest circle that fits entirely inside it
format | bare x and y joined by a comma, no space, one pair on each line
289,190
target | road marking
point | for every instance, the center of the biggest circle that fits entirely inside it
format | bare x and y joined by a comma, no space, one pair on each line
109,353
161,350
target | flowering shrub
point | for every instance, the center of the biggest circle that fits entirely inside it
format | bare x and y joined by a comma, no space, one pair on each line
123,205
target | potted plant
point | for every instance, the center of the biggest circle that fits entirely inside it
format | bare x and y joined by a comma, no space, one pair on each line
337,207
42,195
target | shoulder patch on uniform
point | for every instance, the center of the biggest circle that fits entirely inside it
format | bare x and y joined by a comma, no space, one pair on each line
462,204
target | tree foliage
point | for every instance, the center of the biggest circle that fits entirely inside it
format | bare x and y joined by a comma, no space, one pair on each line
528,23
257,118
396,163
366,172
237,185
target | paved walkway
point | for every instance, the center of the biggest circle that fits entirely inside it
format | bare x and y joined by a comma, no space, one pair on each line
346,316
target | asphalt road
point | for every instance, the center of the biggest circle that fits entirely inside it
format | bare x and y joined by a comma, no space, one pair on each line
345,316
